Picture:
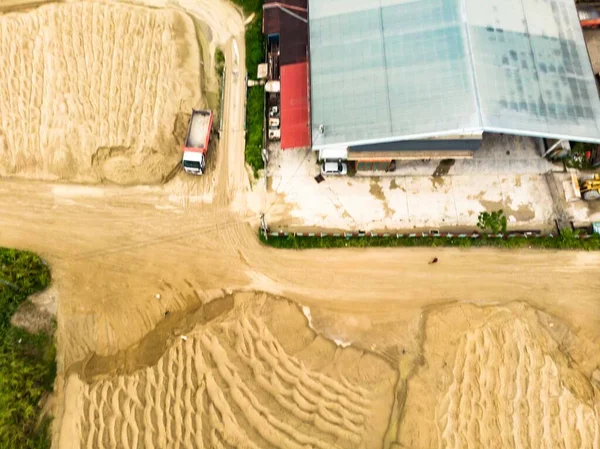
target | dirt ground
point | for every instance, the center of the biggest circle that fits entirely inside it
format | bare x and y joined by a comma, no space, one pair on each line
176,328
76,106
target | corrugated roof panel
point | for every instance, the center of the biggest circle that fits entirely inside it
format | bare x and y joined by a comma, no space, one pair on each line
347,80
293,3
295,127
271,21
389,69
288,19
532,68
378,72
293,38
428,67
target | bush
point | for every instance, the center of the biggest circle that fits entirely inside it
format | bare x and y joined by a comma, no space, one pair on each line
255,54
576,159
255,50
27,362
568,240
254,127
495,222
249,6
219,62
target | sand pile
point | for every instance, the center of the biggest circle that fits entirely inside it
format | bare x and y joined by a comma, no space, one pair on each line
252,374
499,378
93,91
233,383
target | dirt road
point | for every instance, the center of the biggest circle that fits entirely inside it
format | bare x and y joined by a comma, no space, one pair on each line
114,249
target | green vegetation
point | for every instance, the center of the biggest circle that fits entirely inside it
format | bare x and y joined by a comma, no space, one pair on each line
568,240
255,54
577,159
254,126
250,6
219,62
495,222
27,362
255,47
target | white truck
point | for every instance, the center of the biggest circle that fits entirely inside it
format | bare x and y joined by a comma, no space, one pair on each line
196,141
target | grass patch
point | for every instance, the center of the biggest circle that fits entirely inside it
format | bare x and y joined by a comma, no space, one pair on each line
255,54
568,240
255,46
27,362
254,128
219,62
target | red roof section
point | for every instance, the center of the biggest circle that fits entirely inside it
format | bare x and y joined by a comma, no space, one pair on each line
295,129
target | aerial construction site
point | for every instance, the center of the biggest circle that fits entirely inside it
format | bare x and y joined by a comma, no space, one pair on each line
177,328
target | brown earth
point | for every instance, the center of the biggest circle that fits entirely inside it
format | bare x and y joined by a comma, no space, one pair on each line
487,348
33,319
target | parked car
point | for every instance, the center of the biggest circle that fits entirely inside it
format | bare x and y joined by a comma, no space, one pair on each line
334,168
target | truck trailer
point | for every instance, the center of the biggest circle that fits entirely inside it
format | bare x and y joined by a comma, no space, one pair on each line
196,141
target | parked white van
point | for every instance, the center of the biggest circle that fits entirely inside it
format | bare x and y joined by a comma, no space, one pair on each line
334,168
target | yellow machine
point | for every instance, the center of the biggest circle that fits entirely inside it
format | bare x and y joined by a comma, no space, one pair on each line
590,188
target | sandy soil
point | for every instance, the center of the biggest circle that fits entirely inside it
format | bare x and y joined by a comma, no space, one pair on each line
501,377
112,250
234,383
76,105
441,332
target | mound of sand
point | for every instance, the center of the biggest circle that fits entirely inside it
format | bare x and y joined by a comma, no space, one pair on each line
498,378
232,383
251,373
92,91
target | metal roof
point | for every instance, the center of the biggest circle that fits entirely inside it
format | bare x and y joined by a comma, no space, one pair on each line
384,70
295,130
289,20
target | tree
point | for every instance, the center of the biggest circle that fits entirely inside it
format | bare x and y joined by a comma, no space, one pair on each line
495,222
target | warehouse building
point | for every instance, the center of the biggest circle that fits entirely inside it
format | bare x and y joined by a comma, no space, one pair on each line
417,79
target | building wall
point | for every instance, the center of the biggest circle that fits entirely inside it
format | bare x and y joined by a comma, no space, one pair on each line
420,145
380,156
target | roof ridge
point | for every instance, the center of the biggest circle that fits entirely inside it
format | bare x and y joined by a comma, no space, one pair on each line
465,19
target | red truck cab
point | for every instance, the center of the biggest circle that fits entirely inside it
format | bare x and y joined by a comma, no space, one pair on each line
196,141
